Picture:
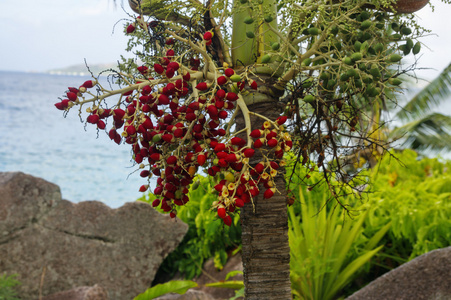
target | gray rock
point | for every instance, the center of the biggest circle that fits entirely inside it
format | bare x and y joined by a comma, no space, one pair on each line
55,245
427,277
189,295
210,275
80,293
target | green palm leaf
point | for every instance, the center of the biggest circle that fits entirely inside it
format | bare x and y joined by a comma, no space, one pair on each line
431,96
431,132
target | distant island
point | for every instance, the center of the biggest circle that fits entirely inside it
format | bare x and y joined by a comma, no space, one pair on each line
82,70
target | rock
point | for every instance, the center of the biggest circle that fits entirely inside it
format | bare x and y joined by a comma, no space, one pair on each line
210,274
189,295
95,292
61,245
427,277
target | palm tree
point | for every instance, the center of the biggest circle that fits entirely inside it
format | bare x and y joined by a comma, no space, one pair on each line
424,129
231,86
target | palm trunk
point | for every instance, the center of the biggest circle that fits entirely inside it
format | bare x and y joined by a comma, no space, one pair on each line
266,252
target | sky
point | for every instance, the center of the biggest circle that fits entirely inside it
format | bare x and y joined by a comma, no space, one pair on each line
48,34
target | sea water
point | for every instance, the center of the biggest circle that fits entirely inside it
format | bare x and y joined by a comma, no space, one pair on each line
36,138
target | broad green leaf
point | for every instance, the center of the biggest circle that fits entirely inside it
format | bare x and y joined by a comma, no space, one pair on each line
346,275
175,286
233,273
229,284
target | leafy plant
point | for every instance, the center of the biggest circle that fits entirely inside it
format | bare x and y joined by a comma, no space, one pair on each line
416,197
7,287
207,236
321,243
175,286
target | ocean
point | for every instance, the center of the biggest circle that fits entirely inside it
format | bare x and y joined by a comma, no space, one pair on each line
38,140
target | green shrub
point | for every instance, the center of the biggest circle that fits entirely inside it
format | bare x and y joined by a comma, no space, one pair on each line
7,287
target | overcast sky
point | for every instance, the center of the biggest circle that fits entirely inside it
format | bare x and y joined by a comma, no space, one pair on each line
39,35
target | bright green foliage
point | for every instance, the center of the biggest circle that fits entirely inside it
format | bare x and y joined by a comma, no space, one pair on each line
321,241
416,197
207,236
175,286
7,287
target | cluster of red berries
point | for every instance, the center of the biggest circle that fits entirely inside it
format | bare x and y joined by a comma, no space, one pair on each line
172,133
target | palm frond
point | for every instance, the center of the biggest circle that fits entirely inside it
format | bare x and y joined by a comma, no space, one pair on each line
431,96
430,133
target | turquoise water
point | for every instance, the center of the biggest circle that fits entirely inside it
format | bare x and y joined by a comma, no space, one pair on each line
36,139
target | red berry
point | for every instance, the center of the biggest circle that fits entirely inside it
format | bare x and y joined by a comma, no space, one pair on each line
259,143
212,111
158,68
272,143
144,173
155,202
93,119
269,193
174,65
72,96
101,125
201,158
254,84
170,53
239,202
143,70
112,133
171,160
289,144
219,147
146,90
227,220
223,114
231,96
202,86
169,138
143,188
238,141
187,76
89,83
163,100
170,72
281,120
231,158
249,152
222,80
259,168
256,133
155,156
229,72
131,28
131,130
221,94
62,105
222,212
208,35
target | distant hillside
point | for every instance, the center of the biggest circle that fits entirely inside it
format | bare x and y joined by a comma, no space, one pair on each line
82,70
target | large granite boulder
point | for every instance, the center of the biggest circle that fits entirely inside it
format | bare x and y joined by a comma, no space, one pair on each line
55,245
427,277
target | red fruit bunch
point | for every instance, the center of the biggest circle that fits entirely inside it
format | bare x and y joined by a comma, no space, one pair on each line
173,133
